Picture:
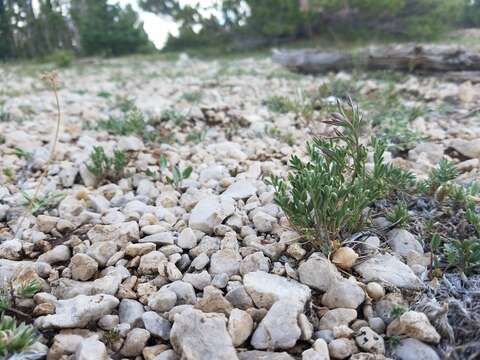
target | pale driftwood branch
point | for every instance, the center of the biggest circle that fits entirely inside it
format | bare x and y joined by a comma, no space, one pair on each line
403,57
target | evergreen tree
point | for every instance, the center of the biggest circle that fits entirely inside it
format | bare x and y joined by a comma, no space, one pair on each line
108,29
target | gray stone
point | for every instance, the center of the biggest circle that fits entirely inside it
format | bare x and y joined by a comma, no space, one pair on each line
240,326
264,355
337,317
279,328
196,335
135,342
83,267
156,325
78,312
318,272
130,312
254,262
161,238
198,280
91,349
265,289
413,349
184,291
210,212
389,270
225,261
163,300
241,189
187,239
342,348
60,253
343,293
402,242
368,340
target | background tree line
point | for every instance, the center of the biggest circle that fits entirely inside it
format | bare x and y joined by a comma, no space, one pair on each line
241,23
38,28
31,29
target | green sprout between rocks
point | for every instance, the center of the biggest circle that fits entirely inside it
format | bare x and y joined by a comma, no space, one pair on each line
399,215
179,175
107,168
14,337
463,254
325,197
398,310
42,202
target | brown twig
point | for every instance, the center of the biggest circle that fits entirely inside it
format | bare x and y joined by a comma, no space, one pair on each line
52,80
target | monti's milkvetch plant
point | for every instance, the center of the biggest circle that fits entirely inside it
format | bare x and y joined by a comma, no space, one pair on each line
325,197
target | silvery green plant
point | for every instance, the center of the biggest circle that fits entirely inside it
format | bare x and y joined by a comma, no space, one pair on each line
325,197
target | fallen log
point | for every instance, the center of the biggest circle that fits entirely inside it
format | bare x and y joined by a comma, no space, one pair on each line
403,57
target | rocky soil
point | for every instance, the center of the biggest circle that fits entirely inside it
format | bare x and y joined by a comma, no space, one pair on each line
207,268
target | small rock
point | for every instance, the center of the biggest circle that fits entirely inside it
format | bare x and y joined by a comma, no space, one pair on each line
198,280
279,328
265,289
91,349
318,272
402,242
263,222
187,239
345,257
135,342
264,355
241,189
196,335
83,267
130,312
140,249
184,291
390,270
254,262
370,341
240,326
413,349
337,317
156,325
375,290
163,300
60,253
342,348
78,312
343,293
414,324
225,261
210,212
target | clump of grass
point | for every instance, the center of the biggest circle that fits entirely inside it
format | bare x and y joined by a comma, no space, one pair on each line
463,254
111,336
326,196
193,96
174,116
42,202
279,104
21,153
399,215
133,122
107,168
197,136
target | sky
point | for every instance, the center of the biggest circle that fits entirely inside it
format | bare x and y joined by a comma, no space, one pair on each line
158,27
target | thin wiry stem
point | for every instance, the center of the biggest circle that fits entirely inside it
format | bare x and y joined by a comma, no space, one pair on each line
51,79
